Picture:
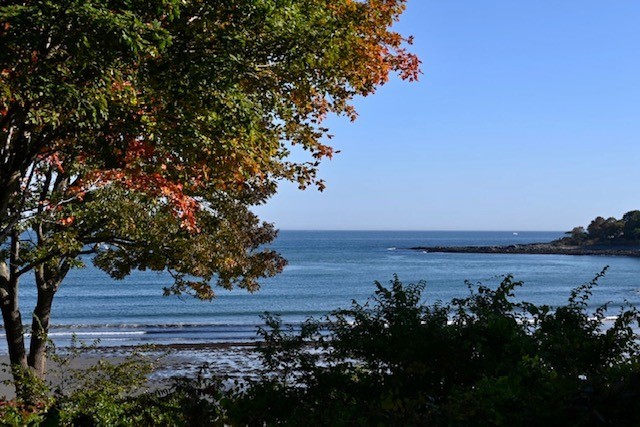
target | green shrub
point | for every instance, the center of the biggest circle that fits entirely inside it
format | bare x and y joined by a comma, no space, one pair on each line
485,359
481,360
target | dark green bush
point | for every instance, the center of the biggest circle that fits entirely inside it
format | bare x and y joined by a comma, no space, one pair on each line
115,394
485,359
480,360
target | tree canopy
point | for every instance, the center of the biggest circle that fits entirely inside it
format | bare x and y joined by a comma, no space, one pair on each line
144,131
608,231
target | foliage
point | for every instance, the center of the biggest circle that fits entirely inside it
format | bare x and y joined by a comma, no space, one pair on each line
109,394
578,235
175,108
602,229
30,409
484,359
143,132
98,395
186,402
631,226
607,231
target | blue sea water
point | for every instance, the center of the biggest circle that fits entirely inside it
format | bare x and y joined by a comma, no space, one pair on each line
326,271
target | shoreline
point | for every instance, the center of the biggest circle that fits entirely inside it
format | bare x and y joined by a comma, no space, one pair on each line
213,345
231,360
535,249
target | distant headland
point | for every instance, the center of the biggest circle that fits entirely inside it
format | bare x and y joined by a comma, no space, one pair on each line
605,237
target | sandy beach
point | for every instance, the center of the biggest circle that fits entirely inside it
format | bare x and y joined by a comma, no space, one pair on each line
235,360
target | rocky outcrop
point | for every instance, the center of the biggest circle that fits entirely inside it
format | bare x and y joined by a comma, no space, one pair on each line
536,249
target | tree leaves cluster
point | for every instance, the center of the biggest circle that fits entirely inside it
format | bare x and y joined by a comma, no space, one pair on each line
143,132
608,231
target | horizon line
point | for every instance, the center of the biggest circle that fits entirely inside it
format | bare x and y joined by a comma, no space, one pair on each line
423,230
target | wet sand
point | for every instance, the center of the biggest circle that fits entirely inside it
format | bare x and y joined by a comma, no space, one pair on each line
233,360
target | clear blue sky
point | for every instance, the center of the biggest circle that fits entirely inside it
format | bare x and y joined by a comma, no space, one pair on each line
527,117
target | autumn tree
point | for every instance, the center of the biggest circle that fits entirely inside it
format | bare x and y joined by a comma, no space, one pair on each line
142,132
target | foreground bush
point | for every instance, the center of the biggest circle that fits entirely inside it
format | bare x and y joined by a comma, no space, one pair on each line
481,360
116,395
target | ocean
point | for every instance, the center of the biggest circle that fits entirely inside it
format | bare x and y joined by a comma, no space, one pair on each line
326,271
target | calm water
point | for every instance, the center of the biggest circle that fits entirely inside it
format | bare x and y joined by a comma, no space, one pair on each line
327,270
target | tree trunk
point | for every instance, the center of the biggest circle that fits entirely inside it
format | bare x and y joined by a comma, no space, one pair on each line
12,321
8,186
11,314
40,325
